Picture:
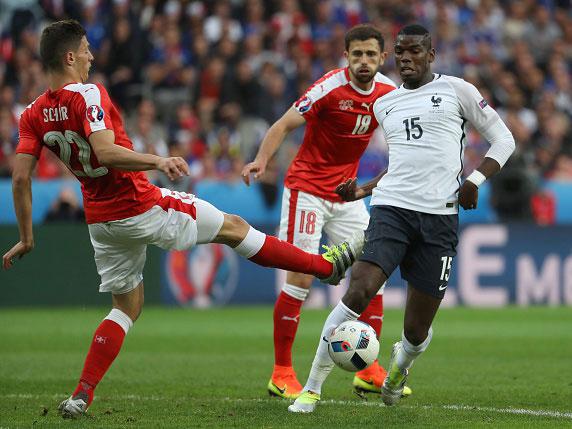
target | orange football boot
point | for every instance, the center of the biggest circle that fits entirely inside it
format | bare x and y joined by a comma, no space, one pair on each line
371,379
284,383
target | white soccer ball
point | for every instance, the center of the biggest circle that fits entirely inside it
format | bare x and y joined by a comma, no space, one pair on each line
353,345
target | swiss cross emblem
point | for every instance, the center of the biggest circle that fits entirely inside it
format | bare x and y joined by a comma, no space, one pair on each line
346,104
100,340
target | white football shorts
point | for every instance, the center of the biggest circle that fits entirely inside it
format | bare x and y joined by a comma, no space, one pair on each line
305,217
178,221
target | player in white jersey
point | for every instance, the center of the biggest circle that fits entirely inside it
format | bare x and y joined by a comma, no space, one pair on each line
414,213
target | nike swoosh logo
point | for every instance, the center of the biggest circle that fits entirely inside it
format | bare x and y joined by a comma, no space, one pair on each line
325,339
442,287
387,111
280,390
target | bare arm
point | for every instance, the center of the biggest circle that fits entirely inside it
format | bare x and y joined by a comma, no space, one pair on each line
272,141
111,155
349,191
469,192
24,165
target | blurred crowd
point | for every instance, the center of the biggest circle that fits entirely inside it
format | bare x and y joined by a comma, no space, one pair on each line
205,79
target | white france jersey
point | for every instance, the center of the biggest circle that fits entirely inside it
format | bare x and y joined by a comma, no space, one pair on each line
425,132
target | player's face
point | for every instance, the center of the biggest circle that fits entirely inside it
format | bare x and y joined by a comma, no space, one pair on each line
412,58
83,59
364,58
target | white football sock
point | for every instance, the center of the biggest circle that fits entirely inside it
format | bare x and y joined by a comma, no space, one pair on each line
251,244
119,317
323,364
295,292
408,352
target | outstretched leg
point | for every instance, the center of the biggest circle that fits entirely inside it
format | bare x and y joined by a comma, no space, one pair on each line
270,251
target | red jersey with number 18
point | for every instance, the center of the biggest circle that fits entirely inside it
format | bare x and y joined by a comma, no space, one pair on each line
63,120
339,124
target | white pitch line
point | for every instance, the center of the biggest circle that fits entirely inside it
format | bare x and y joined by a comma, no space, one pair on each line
453,407
521,411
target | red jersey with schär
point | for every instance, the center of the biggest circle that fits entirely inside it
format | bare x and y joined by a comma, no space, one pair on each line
63,120
339,125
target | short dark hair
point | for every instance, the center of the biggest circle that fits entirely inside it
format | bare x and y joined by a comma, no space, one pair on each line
363,32
57,39
417,30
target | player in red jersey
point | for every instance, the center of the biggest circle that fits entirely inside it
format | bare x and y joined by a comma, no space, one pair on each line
337,111
124,212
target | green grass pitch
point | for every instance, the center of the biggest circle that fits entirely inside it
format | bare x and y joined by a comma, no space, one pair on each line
209,368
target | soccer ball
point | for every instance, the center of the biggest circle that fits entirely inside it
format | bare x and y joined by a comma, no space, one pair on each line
353,345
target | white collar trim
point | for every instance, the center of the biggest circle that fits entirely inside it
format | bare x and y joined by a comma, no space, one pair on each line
361,91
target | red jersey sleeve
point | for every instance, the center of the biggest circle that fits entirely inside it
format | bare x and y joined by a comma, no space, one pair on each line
28,141
313,100
95,108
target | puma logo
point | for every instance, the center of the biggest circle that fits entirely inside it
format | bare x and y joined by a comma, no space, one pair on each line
366,105
376,317
293,319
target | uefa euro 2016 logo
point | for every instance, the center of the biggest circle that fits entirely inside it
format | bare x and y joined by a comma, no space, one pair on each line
304,104
94,113
203,276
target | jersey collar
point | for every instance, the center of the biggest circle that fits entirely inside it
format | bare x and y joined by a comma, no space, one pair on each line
435,77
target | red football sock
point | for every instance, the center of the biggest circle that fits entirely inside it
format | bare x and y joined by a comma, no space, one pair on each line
286,318
105,347
373,314
281,254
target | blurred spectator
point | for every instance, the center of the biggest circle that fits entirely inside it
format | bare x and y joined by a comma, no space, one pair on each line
275,98
169,59
8,141
254,22
511,192
122,63
184,137
543,204
224,152
66,208
221,23
241,86
147,136
541,32
94,24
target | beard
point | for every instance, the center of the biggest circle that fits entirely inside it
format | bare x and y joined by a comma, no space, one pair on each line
364,78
